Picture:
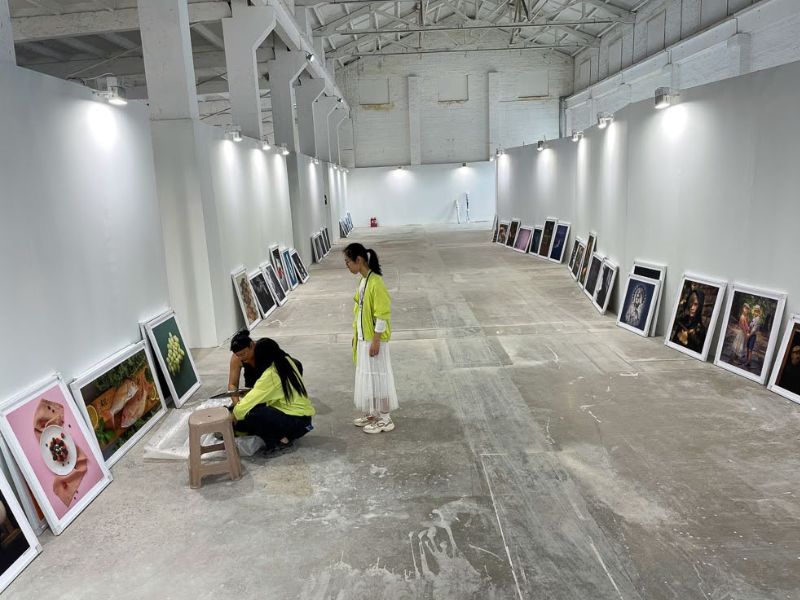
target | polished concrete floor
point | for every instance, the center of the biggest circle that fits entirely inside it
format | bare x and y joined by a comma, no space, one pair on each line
540,452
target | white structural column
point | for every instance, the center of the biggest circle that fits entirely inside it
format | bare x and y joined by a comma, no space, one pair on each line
322,110
334,120
494,111
168,66
7,54
415,154
306,96
283,71
243,33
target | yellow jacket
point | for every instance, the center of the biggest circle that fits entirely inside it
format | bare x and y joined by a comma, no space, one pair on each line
268,390
377,305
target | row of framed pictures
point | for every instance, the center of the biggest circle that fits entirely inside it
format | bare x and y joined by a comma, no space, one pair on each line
320,244
263,290
596,274
751,320
546,241
345,225
59,442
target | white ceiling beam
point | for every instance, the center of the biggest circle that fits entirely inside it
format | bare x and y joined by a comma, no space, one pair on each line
208,35
102,21
613,10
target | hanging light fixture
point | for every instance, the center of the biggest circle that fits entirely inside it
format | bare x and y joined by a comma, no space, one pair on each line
665,97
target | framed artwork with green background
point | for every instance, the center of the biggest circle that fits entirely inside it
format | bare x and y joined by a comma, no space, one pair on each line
173,357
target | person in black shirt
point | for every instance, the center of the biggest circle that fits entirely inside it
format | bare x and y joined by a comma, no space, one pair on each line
252,358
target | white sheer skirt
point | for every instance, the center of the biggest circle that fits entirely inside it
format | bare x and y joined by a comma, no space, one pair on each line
374,388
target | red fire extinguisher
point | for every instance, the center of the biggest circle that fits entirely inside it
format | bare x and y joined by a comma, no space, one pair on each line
373,222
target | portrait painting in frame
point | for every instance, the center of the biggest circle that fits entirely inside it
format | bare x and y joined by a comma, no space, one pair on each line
694,315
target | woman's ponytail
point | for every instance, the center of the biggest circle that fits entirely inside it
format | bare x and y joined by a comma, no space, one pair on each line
372,261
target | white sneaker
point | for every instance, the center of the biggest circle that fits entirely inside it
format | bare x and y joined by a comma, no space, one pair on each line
379,426
365,420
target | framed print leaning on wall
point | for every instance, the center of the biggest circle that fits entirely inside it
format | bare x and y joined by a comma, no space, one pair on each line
574,252
785,378
55,451
638,304
512,232
591,246
559,242
288,267
275,259
300,268
579,255
263,293
593,276
173,356
19,543
694,315
652,271
494,229
547,236
750,327
502,233
536,240
272,280
523,240
33,512
120,399
605,285
246,296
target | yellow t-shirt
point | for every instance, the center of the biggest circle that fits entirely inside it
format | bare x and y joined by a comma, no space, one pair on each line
268,390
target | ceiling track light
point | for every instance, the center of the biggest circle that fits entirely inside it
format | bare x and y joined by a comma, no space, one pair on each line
577,135
234,132
541,145
310,57
604,119
463,164
284,150
114,93
265,145
316,160
665,97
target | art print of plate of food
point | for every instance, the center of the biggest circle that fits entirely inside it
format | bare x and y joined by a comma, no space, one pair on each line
58,450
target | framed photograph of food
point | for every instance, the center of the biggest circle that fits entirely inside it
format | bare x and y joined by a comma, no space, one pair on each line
593,275
574,252
266,302
785,378
288,268
652,271
33,512
502,233
275,260
272,280
523,240
547,236
536,240
605,285
173,356
576,266
638,305
591,246
55,450
246,297
18,543
121,400
512,232
299,267
695,315
559,243
751,322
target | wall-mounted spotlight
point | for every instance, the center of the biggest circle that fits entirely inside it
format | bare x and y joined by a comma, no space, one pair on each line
284,150
310,57
316,160
604,119
541,145
665,97
577,135
399,167
463,164
265,146
114,93
234,132
339,99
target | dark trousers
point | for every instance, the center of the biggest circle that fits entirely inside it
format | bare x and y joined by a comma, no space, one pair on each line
271,425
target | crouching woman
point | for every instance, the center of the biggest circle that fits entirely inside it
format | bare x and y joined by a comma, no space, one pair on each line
277,409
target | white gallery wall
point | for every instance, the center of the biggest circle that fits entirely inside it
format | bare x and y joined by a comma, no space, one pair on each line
336,184
307,189
81,252
450,107
708,186
222,204
421,194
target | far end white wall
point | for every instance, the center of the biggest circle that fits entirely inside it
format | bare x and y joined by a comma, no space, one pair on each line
423,194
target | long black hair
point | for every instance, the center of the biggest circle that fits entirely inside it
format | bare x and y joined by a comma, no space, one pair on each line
274,355
354,250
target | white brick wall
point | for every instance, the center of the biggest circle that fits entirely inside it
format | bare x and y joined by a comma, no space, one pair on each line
458,130
704,41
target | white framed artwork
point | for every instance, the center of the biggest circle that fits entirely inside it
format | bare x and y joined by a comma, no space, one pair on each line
275,286
523,241
263,292
547,236
639,304
605,285
559,243
694,315
300,268
785,377
593,275
174,357
20,546
653,271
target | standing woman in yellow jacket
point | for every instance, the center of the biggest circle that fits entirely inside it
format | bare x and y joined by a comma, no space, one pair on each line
374,394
